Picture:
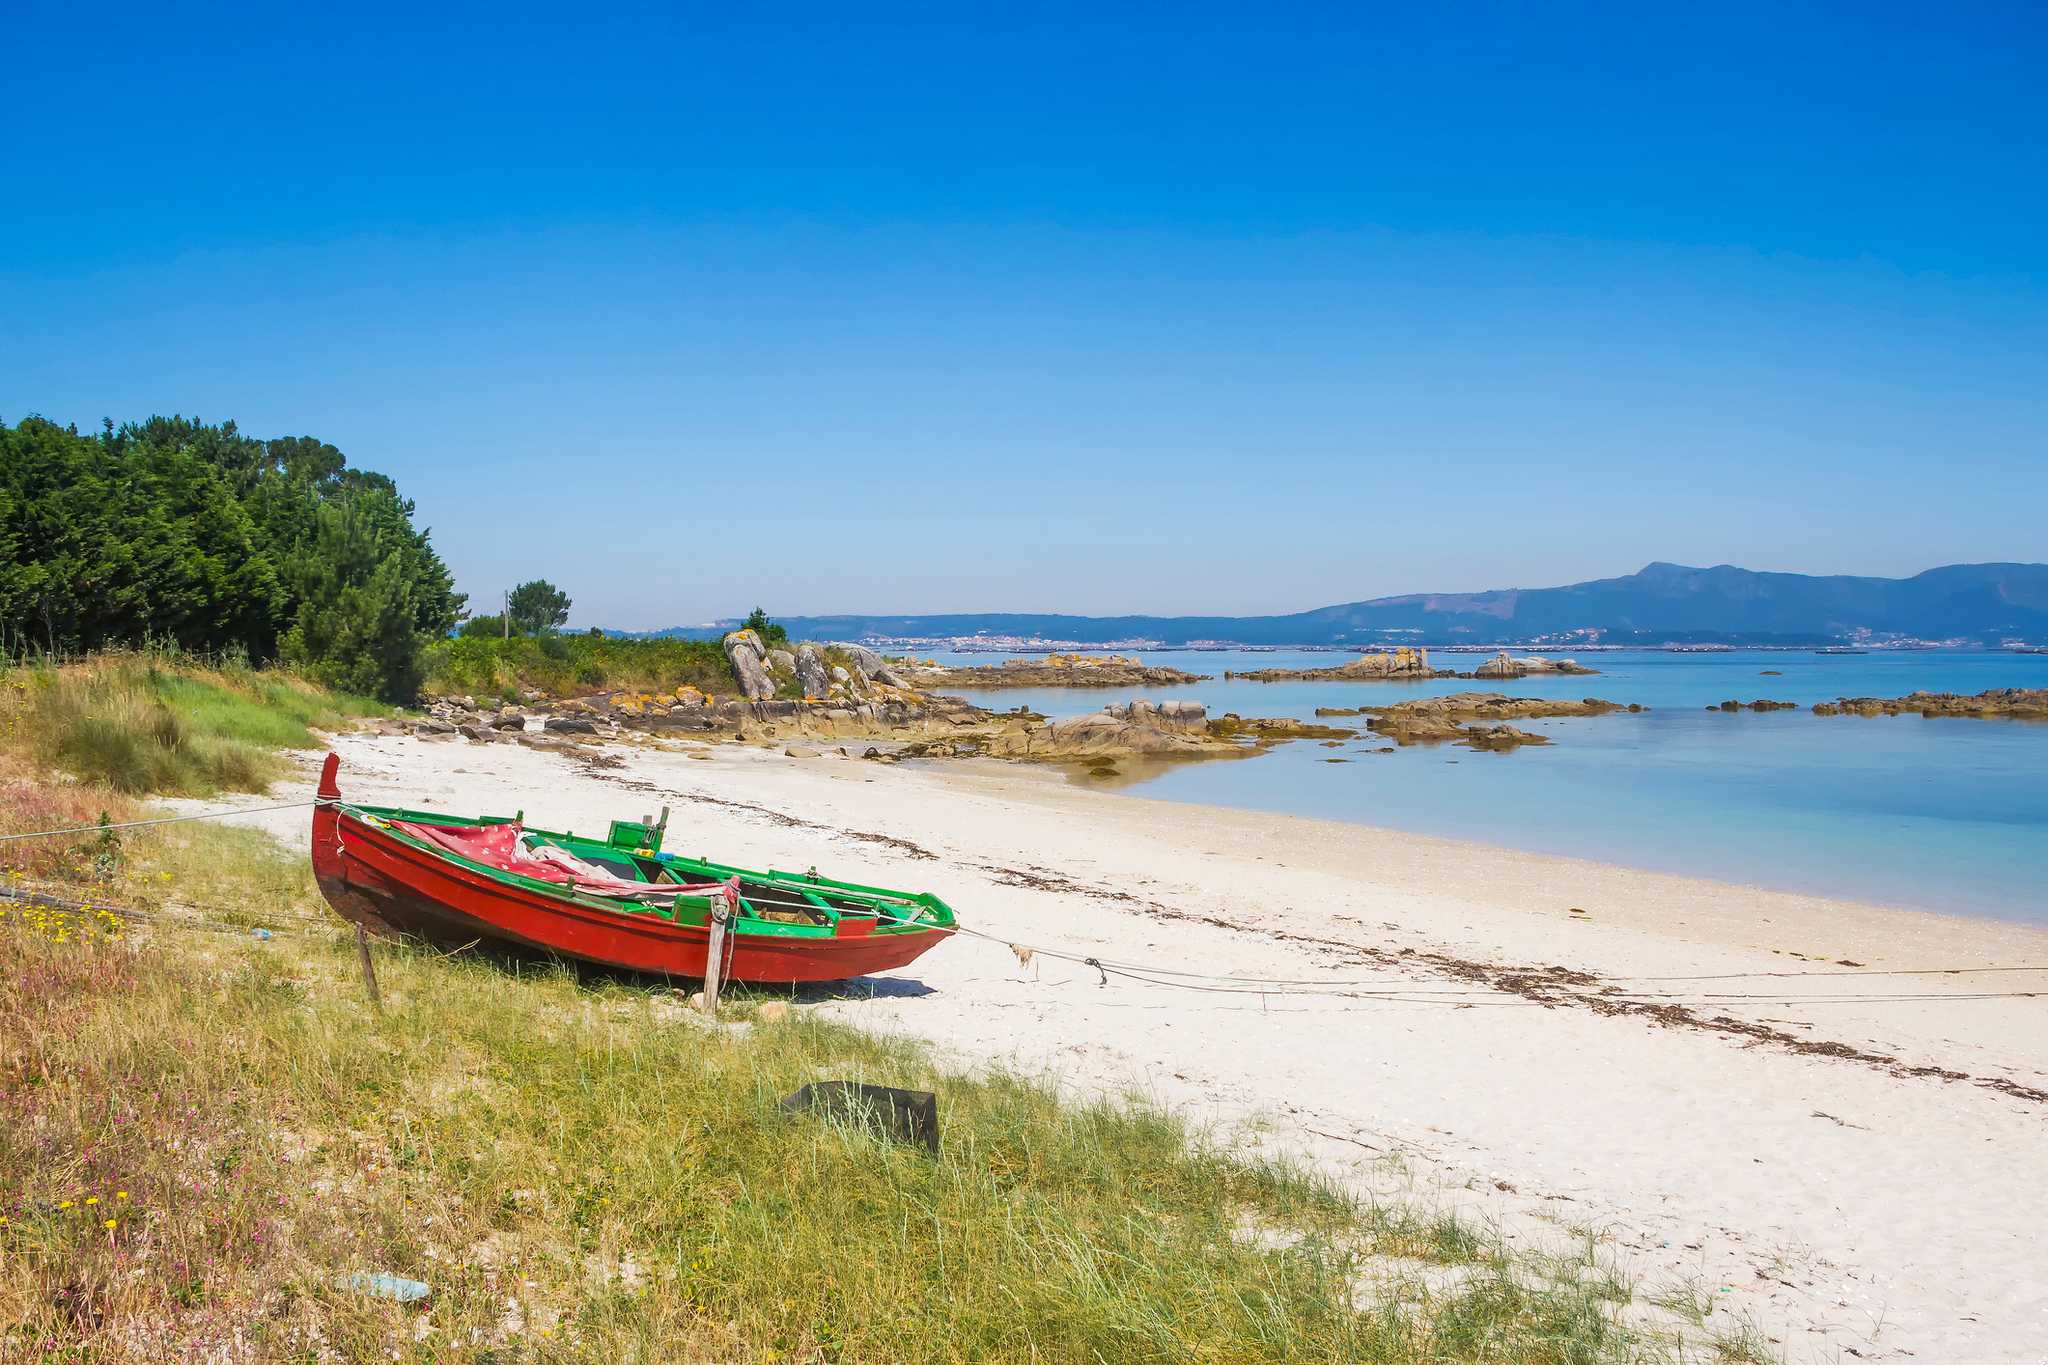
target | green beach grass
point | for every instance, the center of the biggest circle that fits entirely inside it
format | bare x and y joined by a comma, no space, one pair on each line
569,665
149,721
218,1130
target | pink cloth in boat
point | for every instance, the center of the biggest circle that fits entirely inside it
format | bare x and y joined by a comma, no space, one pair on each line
502,846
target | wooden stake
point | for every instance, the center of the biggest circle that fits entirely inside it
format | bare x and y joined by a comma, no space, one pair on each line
714,959
369,972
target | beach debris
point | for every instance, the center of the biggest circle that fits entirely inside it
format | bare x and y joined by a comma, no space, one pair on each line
386,1286
906,1116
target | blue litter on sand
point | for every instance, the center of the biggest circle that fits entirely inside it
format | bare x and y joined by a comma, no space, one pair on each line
387,1287
263,934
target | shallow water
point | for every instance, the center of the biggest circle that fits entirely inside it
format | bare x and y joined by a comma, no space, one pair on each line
1946,814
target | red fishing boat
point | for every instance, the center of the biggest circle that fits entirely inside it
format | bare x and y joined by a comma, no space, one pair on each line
620,901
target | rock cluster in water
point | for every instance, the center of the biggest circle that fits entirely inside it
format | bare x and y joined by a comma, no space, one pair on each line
1998,701
1136,729
1406,663
1056,670
1410,663
1478,720
1505,665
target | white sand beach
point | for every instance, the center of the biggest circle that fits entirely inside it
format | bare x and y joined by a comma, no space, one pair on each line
1850,1160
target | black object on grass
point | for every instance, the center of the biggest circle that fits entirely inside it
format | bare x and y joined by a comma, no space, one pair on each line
910,1116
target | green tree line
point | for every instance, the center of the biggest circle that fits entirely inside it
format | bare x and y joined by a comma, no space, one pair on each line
176,531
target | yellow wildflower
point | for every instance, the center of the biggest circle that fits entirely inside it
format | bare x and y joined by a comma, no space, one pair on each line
92,1199
113,1223
65,1205
120,1194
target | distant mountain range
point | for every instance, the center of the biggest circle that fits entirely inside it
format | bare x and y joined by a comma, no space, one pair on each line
1664,603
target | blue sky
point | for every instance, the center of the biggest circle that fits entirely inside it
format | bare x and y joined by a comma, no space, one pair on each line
1132,308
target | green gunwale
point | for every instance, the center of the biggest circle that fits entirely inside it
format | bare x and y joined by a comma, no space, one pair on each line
826,899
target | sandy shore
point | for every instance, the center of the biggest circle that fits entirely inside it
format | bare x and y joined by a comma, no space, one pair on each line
1848,1160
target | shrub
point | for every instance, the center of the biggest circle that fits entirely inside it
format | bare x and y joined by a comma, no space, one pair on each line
563,664
142,723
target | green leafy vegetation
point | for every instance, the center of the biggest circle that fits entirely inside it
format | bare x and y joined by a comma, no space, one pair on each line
771,634
538,607
173,531
157,722
566,665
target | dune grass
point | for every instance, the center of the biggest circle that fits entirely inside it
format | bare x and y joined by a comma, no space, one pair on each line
583,1169
147,722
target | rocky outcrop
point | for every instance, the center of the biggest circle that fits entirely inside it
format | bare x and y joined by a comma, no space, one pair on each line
749,660
872,667
1274,729
1173,729
1058,670
1760,704
2024,702
842,673
810,671
1505,665
1149,730
1477,719
1404,664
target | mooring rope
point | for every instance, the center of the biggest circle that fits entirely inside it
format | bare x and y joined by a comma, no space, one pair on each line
170,819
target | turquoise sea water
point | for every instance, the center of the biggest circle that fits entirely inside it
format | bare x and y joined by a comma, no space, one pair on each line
1946,814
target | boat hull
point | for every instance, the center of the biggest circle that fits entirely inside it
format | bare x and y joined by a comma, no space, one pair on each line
393,888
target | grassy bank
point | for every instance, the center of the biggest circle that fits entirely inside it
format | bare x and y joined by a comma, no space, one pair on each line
570,665
200,1133
143,722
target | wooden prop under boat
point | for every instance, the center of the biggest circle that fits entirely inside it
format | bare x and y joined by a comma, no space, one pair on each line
619,902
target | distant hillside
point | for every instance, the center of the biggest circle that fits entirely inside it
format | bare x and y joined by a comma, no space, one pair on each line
1662,603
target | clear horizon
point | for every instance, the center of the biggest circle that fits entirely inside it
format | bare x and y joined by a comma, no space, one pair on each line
1155,313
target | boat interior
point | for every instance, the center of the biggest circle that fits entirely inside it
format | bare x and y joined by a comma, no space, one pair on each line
774,902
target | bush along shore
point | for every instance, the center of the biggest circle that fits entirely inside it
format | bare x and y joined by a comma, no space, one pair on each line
211,1145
